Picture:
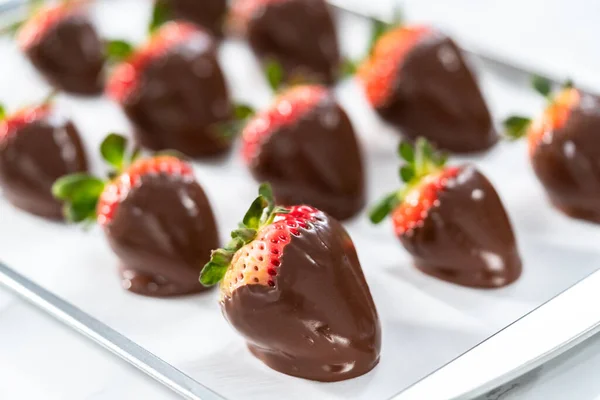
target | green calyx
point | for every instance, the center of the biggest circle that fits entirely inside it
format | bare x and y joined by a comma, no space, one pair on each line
379,28
544,86
2,112
274,74
160,15
80,192
118,51
420,160
230,129
261,213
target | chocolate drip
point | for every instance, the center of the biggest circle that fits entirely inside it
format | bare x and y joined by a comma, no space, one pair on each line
70,55
436,96
319,322
468,238
566,161
33,157
180,101
163,233
315,161
300,35
209,14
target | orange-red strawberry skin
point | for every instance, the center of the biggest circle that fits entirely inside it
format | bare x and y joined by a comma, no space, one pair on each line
21,118
117,190
36,27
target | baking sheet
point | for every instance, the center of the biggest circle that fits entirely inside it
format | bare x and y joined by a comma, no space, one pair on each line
425,322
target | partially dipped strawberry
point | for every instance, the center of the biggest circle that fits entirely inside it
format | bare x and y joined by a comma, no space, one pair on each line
209,14
173,91
63,45
304,145
155,215
451,221
292,285
416,78
37,146
297,34
564,149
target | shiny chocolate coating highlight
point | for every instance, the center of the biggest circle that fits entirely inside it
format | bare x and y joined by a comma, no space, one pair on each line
209,14
319,321
33,157
70,55
180,100
315,161
163,233
299,35
467,239
567,161
437,97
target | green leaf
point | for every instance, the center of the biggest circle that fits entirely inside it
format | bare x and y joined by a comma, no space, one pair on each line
118,50
542,85
378,28
568,84
242,112
406,151
12,29
221,256
515,127
2,112
160,15
252,218
135,154
440,159
81,211
246,234
384,207
113,150
348,68
212,273
77,186
407,173
274,72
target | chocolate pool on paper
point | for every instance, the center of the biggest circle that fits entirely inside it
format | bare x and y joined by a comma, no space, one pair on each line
33,156
437,97
163,233
315,161
319,321
467,239
566,161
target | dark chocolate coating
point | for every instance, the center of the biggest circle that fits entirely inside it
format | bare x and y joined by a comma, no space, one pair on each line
468,238
163,233
180,100
437,97
70,55
315,161
209,14
567,162
319,321
300,35
33,157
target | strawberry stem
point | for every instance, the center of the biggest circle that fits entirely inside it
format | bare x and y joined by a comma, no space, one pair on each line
261,213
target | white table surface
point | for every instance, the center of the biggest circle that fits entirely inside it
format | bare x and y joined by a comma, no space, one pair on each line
40,359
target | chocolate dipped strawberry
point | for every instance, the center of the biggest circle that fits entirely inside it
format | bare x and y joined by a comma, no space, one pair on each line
304,145
564,148
64,47
451,221
416,79
173,91
37,146
155,215
292,285
209,14
299,35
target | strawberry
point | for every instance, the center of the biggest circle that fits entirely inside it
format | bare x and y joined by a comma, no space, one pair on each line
299,35
63,45
208,14
173,91
305,146
155,215
563,148
37,147
417,80
291,283
451,220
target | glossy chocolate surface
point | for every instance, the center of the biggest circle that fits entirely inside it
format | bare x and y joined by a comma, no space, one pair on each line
163,233
70,55
209,14
468,238
319,321
436,96
33,157
180,100
315,161
567,161
300,35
